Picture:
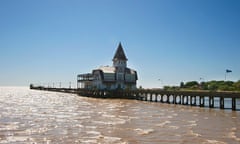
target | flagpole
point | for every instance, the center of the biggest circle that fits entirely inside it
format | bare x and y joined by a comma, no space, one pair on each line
225,75
227,71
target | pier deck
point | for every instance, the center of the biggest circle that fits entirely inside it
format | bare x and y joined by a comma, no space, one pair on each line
192,98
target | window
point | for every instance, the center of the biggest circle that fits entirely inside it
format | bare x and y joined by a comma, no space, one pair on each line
120,76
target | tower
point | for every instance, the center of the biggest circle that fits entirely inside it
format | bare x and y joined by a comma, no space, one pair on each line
120,63
120,59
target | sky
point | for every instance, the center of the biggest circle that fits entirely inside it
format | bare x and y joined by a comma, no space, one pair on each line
166,41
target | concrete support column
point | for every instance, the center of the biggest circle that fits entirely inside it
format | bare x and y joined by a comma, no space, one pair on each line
187,100
146,96
162,98
151,97
182,97
156,97
191,103
234,103
211,101
195,100
143,97
168,99
174,99
201,101
221,102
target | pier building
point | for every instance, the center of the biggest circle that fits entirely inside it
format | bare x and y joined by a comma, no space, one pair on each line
117,76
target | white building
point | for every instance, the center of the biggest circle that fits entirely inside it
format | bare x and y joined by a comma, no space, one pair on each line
118,76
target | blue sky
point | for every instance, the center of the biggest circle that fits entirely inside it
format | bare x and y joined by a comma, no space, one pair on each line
45,41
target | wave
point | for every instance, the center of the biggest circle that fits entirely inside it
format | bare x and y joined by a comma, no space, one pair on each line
163,124
213,142
144,131
232,134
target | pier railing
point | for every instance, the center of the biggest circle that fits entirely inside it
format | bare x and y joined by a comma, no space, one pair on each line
211,99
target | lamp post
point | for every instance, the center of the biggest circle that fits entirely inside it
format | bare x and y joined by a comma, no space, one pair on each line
160,82
201,82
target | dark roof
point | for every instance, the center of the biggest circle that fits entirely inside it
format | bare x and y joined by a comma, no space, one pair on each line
131,71
120,55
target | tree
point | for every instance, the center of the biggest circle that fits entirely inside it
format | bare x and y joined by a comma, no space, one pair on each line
203,86
182,85
236,85
166,87
192,85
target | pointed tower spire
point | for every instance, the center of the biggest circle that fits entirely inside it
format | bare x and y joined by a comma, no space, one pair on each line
120,55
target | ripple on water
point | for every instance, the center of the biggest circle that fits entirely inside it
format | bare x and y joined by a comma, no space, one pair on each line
108,139
108,116
111,121
100,139
9,126
192,123
194,134
93,132
232,134
163,123
213,142
144,131
174,127
14,139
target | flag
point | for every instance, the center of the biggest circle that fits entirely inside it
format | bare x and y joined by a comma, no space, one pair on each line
228,71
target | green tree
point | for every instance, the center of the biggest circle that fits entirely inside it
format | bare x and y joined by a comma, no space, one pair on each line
192,85
212,85
166,87
182,85
204,85
236,85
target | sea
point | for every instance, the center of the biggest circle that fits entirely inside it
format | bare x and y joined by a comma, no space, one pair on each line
41,117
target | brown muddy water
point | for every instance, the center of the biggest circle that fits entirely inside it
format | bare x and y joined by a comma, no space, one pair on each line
30,116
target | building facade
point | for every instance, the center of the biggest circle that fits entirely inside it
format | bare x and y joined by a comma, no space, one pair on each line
117,76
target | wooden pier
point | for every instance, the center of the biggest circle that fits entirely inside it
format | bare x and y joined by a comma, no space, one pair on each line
192,98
